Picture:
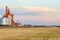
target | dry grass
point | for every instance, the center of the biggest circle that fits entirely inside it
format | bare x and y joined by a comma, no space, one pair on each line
30,34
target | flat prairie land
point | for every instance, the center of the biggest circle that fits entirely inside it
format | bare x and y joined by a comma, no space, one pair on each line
39,33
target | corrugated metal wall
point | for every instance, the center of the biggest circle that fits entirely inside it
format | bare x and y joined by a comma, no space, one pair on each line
5,21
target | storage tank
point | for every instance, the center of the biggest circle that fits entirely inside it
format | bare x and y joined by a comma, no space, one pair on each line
6,21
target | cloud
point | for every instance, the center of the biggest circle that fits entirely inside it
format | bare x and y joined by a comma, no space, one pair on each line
41,9
45,14
33,11
43,18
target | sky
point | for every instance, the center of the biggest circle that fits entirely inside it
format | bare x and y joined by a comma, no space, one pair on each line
34,12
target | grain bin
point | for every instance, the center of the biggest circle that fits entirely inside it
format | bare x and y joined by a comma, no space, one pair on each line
5,21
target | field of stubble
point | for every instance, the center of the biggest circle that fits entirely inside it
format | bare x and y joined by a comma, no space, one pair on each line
30,33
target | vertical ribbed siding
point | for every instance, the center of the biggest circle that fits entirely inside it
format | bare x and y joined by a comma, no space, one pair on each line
6,21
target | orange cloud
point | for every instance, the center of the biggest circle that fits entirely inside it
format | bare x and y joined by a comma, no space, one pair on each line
43,9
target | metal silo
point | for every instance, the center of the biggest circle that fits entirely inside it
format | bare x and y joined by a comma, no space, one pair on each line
6,21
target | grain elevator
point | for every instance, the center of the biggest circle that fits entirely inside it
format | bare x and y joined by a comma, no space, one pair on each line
7,18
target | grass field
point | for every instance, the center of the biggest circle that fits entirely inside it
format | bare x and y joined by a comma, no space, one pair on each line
30,33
